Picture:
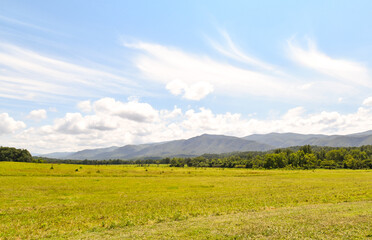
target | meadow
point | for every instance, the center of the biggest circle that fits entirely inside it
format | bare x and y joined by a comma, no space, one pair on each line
59,201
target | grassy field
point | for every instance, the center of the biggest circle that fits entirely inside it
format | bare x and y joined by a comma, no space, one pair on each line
129,202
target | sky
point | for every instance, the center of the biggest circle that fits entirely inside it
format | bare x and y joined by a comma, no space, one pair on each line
88,74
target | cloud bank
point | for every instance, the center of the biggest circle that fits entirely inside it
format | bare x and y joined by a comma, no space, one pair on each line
113,122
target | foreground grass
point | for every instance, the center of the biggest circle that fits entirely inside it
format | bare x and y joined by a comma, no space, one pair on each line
323,221
72,201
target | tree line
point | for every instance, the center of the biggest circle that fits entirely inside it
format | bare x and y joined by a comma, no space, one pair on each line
305,157
299,157
103,162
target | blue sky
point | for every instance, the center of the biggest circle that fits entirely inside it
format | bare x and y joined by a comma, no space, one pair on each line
86,74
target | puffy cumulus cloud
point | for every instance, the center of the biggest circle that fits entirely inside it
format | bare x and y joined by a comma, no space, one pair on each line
107,127
37,115
368,102
176,87
194,91
85,106
198,90
296,120
75,123
109,115
176,112
9,125
294,113
72,123
132,110
205,120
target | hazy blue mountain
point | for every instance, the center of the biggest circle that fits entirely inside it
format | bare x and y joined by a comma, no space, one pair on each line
60,155
89,153
218,144
280,140
343,141
199,145
126,152
367,133
190,147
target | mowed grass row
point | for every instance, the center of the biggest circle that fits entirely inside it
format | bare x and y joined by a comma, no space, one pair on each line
73,201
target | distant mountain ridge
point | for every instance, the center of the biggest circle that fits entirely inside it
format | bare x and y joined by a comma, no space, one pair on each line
192,147
207,143
282,140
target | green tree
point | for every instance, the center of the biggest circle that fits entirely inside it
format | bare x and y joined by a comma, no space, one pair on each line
311,161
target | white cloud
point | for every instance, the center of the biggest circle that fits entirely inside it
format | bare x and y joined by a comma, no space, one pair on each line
206,121
9,125
368,102
75,123
72,123
85,106
232,51
194,91
293,114
198,90
348,71
109,115
132,110
166,114
176,87
37,115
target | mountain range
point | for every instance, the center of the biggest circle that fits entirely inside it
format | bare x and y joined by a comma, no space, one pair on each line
207,143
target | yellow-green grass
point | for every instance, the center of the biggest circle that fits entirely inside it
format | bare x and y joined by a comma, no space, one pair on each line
80,201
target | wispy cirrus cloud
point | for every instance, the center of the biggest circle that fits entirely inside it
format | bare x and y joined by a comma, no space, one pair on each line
230,50
24,24
350,72
188,74
167,65
28,75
